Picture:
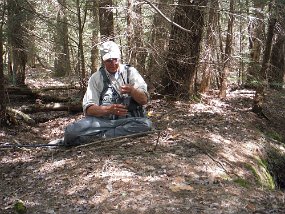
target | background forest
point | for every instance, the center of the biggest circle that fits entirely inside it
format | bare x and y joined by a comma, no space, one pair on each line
182,48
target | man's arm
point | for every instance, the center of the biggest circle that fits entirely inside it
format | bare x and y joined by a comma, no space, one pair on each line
99,111
138,95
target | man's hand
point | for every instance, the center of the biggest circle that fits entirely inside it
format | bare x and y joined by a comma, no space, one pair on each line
99,111
137,94
127,89
118,109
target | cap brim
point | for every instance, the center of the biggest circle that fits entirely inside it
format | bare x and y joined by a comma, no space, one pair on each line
111,56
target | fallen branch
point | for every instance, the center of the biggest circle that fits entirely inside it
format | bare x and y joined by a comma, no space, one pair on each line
21,115
71,107
116,139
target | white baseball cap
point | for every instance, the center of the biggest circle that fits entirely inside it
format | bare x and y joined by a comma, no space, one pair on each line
110,50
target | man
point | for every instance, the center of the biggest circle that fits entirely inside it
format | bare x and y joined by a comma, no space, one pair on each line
113,102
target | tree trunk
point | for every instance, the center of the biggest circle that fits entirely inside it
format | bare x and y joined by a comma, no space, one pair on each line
136,49
263,73
228,50
2,88
95,37
209,47
256,38
106,20
62,58
71,107
130,31
80,50
158,46
16,38
277,71
184,49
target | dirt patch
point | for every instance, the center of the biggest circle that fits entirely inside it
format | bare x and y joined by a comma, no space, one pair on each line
205,159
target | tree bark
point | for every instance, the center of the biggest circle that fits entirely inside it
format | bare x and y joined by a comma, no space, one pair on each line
80,50
184,49
95,37
16,38
136,49
106,20
158,46
2,88
228,50
62,57
209,47
277,70
256,39
263,73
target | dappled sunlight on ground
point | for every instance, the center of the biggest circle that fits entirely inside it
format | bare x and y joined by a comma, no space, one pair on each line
204,158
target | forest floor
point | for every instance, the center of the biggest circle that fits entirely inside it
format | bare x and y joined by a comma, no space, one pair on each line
206,158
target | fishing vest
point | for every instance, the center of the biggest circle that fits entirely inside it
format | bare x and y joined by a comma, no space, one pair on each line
110,95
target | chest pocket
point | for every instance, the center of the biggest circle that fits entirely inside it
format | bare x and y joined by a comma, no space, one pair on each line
110,96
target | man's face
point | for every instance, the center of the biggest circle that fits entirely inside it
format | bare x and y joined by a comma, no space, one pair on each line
112,65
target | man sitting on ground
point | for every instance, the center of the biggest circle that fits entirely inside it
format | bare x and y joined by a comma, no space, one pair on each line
113,102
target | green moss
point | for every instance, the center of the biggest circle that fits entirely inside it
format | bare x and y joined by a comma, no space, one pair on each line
261,173
274,135
276,164
270,134
195,98
269,180
254,172
242,182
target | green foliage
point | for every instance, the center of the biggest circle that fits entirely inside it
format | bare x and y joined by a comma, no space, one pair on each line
280,1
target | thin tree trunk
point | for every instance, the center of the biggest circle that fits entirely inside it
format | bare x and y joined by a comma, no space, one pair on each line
263,73
62,56
267,52
209,43
228,50
2,88
130,32
137,54
106,20
80,53
277,71
256,29
16,37
95,37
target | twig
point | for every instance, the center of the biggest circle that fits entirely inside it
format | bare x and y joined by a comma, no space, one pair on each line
17,146
157,141
99,141
165,17
116,139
